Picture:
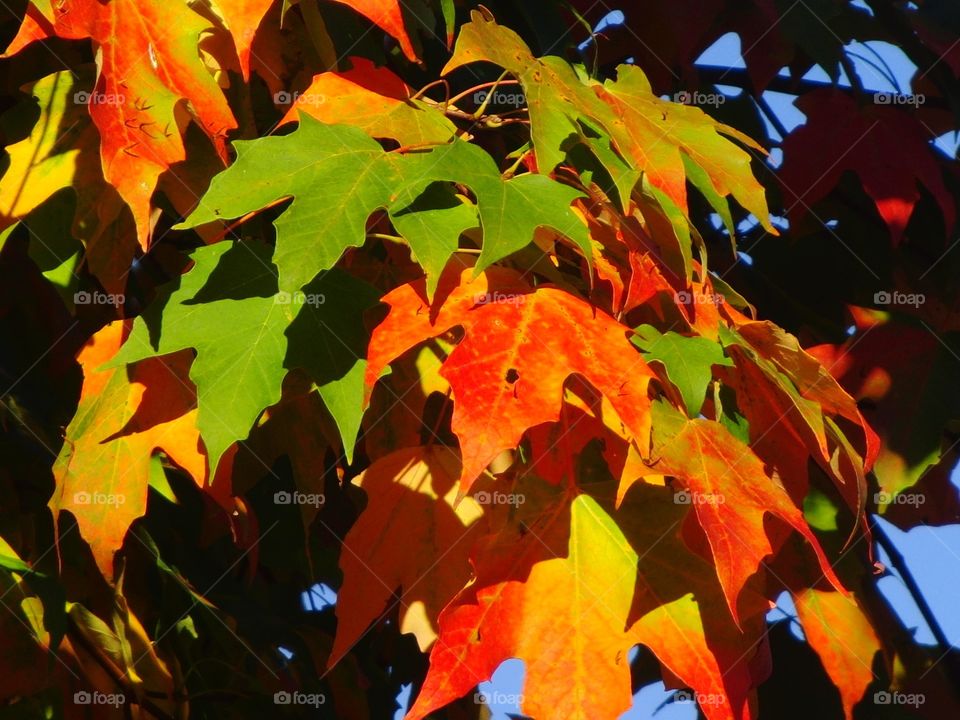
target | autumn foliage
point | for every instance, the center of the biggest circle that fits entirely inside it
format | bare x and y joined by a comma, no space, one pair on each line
434,304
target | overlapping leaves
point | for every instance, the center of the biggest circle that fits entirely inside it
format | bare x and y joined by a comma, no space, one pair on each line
599,450
338,176
639,133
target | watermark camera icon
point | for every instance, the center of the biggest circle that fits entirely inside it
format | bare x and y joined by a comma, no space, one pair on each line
888,98
885,697
885,498
701,699
499,498
284,97
499,298
685,297
499,97
282,697
83,97
282,497
299,298
82,297
687,497
99,498
685,97
83,697
896,297
495,697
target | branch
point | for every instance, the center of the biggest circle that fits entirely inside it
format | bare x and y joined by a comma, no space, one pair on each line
898,562
738,77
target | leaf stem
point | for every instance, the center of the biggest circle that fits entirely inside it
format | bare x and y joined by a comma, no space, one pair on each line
489,121
442,81
418,146
510,171
384,236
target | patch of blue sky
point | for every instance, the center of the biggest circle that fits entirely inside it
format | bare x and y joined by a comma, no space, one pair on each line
318,597
932,555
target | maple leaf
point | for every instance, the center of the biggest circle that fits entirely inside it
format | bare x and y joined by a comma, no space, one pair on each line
410,514
389,424
374,99
680,611
790,400
666,39
326,217
731,493
145,72
436,216
505,382
24,629
783,428
673,143
666,517
242,18
661,139
610,582
57,152
103,470
622,260
61,152
942,501
388,16
843,637
811,378
586,588
556,448
886,147
687,360
661,37
247,336
37,25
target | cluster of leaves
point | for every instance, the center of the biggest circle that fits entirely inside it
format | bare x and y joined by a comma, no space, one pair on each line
374,294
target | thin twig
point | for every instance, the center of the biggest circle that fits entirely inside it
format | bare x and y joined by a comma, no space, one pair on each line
900,564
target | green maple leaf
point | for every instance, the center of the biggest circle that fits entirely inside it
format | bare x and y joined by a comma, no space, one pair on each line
247,335
687,360
436,217
627,127
338,176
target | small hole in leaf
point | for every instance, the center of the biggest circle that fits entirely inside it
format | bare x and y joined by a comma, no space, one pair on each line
512,376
